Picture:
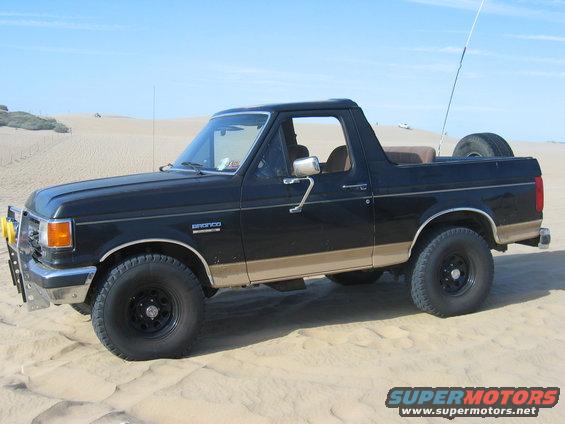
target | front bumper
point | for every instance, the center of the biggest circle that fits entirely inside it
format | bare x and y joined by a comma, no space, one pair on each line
39,284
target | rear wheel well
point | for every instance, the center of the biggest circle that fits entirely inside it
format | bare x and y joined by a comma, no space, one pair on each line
179,252
473,220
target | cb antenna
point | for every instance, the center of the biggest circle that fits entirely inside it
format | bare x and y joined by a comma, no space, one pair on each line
457,75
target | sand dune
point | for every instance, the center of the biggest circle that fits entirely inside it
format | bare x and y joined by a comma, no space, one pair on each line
326,355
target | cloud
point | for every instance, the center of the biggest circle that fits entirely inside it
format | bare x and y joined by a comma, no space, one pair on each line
61,24
547,3
425,67
504,8
448,50
434,107
557,60
258,77
542,74
65,50
539,37
34,15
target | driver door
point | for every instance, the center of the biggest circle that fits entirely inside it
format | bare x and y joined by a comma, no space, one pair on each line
334,230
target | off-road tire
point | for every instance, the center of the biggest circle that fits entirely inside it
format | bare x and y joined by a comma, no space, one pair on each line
354,278
483,145
82,308
115,324
428,264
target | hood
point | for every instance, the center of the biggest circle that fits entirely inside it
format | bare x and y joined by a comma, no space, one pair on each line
125,194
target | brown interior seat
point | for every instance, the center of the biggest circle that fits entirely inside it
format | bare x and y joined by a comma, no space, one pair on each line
297,151
338,160
405,155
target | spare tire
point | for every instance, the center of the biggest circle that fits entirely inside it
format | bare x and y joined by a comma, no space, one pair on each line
483,145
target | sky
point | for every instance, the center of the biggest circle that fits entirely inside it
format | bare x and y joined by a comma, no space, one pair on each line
395,58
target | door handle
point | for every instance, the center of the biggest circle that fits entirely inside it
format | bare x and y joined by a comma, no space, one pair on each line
357,187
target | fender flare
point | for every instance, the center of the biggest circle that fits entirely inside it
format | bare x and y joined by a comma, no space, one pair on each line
162,240
453,210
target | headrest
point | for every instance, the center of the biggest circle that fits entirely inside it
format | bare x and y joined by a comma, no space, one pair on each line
338,161
297,151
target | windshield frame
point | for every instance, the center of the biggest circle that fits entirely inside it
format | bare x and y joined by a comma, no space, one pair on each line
251,148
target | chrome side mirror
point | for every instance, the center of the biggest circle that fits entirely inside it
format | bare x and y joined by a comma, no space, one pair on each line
306,167
303,169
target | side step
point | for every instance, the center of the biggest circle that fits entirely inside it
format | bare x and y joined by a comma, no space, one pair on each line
288,285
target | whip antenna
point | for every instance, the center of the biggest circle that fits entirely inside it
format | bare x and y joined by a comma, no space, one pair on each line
153,133
457,75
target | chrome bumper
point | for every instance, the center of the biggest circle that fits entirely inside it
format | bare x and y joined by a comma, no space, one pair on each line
60,286
41,285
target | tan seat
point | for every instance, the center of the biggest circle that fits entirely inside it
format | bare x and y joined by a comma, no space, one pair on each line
408,155
338,160
297,151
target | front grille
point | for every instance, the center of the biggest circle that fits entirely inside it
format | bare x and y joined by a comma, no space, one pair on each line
33,237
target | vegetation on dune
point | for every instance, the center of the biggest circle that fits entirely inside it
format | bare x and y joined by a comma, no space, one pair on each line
60,128
27,121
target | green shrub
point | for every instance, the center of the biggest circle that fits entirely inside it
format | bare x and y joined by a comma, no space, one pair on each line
27,121
60,128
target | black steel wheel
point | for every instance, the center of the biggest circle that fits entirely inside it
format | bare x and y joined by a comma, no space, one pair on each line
456,274
451,272
150,306
153,311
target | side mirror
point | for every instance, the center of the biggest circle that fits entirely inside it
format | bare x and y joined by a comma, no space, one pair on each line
303,169
306,167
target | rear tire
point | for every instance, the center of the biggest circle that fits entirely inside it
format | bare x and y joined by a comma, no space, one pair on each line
354,278
451,273
150,306
483,145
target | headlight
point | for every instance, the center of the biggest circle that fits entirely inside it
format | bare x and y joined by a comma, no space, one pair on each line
56,234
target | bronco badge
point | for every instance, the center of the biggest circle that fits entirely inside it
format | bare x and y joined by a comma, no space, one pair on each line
206,227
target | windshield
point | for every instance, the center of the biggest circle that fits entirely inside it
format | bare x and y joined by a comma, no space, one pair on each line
223,144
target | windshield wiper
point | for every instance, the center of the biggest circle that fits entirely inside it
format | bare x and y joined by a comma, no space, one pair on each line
197,167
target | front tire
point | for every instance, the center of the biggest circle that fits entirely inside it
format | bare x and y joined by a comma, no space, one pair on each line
354,278
82,308
452,272
150,306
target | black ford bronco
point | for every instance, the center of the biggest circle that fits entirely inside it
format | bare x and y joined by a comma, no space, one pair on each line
260,198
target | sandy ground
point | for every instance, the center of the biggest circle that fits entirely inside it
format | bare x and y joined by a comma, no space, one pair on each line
326,355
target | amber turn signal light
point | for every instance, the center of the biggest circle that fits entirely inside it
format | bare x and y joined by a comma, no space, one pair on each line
57,234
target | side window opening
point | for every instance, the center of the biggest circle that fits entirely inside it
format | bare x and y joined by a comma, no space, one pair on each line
322,137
